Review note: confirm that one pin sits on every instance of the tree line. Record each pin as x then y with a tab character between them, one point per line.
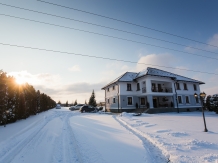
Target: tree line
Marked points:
20	101
91	102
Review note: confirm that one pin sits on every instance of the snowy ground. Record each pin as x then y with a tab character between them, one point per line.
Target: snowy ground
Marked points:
66	136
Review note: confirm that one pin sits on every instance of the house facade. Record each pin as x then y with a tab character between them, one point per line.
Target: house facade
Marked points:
153	90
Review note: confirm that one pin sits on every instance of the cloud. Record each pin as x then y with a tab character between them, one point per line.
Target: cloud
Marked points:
155	60
37	79
75	68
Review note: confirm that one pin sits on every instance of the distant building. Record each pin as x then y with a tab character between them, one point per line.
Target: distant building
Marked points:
154	90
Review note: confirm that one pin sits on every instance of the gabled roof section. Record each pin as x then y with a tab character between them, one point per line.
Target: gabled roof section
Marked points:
126	77
131	76
161	73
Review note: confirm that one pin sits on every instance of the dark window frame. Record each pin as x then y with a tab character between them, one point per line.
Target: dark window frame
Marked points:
178	86
129	102
185	86
138	86
113	87
197	100
114	100
195	87
129	87
187	100
179	99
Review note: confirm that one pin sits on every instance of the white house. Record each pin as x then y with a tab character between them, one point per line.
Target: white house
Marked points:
152	89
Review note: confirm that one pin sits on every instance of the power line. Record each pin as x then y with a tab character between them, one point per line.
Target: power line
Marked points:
93	56
119	38
126	22
62	17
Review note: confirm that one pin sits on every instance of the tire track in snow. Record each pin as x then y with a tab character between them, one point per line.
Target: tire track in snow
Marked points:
155	153
67	149
12	147
86	150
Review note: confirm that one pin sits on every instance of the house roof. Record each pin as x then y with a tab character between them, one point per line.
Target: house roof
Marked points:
161	73
126	77
131	76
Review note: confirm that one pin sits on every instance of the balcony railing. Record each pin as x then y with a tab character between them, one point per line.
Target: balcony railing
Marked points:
143	89
162	89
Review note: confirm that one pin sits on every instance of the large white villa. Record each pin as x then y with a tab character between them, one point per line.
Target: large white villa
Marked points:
153	90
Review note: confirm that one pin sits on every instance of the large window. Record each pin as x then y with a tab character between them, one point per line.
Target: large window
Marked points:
195	88
187	99
177	86
113	87
142	101
138	86
129	88
180	99
129	100
108	89
114	100
108	100
185	86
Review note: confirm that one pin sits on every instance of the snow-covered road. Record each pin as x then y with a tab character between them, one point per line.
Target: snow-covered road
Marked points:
60	135
63	136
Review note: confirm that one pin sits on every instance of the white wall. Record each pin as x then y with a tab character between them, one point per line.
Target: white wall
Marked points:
190	90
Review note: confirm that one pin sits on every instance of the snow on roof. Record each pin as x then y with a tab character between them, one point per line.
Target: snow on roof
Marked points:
157	72
127	76
130	76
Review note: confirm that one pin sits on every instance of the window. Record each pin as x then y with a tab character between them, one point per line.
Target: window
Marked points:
185	86
142	101
113	87
177	86
108	89
187	99
108	100
129	87
114	100
196	99
138	86
195	88
180	99
129	100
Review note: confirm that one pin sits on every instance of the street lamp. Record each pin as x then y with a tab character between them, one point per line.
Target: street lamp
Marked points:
202	96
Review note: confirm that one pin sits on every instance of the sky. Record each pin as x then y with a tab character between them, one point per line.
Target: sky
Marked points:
70	77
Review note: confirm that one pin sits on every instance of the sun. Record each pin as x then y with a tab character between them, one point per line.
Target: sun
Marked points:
20	80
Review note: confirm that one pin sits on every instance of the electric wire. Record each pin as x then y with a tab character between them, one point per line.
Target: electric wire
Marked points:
109	36
104	58
111	28
126	22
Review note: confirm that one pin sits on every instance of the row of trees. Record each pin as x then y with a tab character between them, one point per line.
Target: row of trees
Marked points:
20	101
91	102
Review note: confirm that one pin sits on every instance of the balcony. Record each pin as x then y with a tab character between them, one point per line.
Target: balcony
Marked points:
162	89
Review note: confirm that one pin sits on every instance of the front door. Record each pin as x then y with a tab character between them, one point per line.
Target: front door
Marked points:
155	102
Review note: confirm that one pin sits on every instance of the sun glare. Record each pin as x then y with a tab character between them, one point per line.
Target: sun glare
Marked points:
20	80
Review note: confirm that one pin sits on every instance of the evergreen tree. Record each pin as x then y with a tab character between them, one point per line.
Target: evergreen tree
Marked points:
92	100
3	97
67	104
75	103
208	103
59	102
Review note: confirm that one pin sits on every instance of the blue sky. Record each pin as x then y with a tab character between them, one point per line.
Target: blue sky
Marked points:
69	77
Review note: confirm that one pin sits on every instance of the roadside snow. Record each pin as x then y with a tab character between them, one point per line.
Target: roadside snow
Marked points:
179	136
